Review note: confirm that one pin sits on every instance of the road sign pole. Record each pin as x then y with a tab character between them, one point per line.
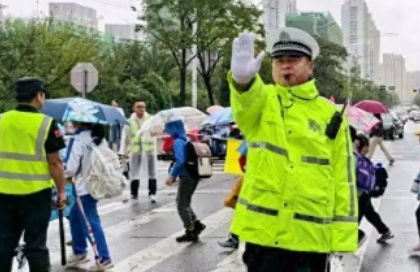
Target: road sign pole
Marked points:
84	78
85	87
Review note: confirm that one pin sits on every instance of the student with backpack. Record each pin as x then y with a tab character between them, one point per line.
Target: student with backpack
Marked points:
188	180
84	215
366	187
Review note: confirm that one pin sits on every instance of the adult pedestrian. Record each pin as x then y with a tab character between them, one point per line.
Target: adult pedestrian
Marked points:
142	152
298	203
115	129
30	163
377	139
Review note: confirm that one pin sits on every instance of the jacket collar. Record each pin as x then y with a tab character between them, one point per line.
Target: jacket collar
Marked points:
306	91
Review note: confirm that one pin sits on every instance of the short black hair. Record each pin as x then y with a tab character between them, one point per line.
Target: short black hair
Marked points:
363	141
27	88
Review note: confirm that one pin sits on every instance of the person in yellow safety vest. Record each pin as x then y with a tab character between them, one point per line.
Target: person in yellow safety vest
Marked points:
29	165
299	201
142	150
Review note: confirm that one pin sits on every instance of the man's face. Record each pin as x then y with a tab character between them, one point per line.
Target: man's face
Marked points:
139	108
114	104
292	70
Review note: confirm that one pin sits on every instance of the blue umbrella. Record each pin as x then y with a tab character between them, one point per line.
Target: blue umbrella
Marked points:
221	117
82	110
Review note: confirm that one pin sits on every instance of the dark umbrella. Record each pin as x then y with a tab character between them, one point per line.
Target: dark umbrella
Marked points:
82	110
372	106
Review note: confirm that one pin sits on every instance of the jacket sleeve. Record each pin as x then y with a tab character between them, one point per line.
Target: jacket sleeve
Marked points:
345	221
247	106
180	157
72	162
124	141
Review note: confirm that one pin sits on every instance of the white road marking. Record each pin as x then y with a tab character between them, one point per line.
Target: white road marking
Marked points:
164	249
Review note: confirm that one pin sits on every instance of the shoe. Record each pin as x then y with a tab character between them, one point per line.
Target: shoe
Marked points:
153	199
385	237
362	238
391	162
188	236
102	266
76	260
69	243
134	197
199	227
229	243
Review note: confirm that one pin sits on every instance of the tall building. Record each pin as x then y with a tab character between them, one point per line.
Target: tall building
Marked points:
74	13
412	83
121	32
361	37
317	23
274	12
393	74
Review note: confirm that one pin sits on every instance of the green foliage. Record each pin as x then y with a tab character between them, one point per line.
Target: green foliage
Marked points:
218	22
156	71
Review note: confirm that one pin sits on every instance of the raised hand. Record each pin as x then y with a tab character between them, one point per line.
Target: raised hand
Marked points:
243	64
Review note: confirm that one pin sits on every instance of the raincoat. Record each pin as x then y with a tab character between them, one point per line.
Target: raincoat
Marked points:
300	191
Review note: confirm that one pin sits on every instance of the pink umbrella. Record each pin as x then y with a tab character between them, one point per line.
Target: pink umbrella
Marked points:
372	106
360	119
213	109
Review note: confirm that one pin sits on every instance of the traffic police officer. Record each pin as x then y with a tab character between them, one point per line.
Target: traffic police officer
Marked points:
298	203
29	165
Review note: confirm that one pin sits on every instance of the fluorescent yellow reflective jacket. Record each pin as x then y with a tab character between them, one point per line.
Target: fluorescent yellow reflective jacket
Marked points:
300	192
23	161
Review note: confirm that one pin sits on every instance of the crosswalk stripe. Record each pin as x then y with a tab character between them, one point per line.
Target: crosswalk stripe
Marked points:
113	232
162	250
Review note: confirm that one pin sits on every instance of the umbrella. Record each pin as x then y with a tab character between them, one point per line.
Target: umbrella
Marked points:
213	109
82	110
221	117
372	106
191	117
360	119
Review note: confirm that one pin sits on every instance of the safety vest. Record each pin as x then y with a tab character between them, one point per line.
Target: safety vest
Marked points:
138	144
299	192
23	160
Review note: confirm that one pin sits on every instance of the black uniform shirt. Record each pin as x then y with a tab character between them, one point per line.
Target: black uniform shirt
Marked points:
55	141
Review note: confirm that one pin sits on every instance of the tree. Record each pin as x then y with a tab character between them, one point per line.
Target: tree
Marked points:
171	23
45	49
223	22
328	71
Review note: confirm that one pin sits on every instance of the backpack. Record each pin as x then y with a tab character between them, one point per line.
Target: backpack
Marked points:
365	173
381	181
199	162
105	178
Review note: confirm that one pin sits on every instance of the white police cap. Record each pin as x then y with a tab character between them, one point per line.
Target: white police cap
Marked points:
289	40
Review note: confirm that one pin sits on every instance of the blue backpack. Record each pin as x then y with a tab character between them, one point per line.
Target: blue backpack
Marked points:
365	173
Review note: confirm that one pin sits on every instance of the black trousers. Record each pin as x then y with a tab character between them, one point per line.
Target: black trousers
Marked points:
367	210
418	219
135	186
29	214
186	189
265	259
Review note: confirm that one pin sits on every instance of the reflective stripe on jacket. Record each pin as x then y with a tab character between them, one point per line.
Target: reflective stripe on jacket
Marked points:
23	160
300	192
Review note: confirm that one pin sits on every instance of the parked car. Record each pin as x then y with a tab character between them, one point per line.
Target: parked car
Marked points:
393	126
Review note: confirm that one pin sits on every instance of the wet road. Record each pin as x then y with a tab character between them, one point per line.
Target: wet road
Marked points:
397	209
141	235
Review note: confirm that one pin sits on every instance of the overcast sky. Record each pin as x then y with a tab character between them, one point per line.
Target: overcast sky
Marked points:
391	16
